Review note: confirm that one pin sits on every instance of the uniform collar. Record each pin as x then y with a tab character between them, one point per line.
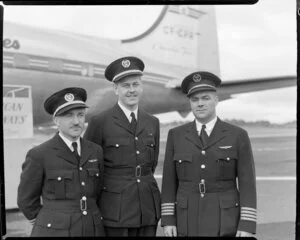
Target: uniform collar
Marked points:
69	143
209	126
128	112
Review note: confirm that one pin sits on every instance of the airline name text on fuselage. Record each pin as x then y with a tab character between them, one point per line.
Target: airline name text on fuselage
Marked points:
11	43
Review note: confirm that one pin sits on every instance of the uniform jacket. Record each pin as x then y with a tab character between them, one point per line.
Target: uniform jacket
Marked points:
130	196
199	192
53	172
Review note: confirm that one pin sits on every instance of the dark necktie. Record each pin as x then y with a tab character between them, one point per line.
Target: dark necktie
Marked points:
74	144
203	136
133	122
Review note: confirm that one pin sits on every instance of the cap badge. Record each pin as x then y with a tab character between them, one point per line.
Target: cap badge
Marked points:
197	77
126	63
69	97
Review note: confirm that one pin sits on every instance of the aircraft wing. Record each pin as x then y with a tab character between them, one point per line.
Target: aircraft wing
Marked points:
230	87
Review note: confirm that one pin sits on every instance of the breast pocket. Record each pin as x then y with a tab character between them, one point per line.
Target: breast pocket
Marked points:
183	165
150	149
115	149
93	180
58	183
226	162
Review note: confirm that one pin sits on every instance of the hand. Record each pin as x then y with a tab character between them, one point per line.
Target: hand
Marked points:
170	231
32	221
243	234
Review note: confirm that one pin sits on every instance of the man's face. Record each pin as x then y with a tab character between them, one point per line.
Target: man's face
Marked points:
129	91
203	105
71	123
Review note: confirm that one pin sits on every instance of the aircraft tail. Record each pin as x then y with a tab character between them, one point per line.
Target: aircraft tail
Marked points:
184	36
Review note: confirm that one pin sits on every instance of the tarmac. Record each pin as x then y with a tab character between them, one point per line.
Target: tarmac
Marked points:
274	151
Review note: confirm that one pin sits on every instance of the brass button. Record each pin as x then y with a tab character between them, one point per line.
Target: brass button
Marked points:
180	161
202	180
97	174
202	166
84	198
152	145
138	180
138	152
83	183
202	194
59	179
203	152
117	145
136	138
228	158
84	212
101	218
236	204
49	225
80	168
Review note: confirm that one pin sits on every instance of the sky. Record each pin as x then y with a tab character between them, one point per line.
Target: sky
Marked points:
254	41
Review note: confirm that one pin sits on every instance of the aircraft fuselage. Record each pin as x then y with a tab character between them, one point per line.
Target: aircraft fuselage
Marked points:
156	98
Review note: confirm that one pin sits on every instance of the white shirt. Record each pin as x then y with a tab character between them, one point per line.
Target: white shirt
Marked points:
128	112
209	126
69	143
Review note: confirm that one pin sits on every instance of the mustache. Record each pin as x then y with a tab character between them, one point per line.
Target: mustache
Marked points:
76	126
131	95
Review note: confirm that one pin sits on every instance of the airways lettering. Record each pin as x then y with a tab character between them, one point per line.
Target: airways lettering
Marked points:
9	43
14	119
12	107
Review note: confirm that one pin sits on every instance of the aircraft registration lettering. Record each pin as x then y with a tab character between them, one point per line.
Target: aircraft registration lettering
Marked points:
17	112
179	32
9	43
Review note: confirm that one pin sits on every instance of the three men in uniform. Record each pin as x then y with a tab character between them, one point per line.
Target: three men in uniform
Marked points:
104	183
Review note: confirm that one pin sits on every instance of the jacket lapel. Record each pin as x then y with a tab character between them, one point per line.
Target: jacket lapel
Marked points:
85	151
63	150
217	134
192	135
142	121
120	119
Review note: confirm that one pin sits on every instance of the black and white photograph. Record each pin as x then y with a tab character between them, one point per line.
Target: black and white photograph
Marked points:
150	120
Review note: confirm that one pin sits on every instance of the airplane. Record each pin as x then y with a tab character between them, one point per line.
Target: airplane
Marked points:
38	62
183	39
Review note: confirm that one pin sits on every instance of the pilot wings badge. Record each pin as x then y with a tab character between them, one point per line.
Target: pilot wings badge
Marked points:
225	147
93	160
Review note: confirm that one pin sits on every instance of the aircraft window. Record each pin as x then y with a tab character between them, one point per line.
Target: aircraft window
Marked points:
22	93
9	94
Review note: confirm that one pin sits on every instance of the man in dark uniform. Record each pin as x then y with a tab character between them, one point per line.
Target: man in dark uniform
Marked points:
61	178
130	200
208	186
